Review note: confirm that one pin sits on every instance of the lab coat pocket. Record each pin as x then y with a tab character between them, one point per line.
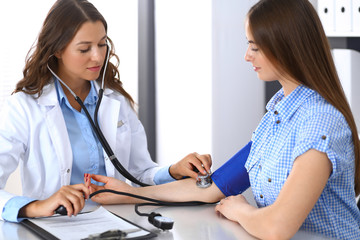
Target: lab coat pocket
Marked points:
123	140
121	126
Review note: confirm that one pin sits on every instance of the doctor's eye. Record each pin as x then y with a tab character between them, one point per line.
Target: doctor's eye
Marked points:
84	50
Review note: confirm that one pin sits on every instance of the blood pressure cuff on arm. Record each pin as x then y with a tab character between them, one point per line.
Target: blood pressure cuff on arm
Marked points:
232	177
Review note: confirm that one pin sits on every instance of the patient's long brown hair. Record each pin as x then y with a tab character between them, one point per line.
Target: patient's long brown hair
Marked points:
291	36
61	24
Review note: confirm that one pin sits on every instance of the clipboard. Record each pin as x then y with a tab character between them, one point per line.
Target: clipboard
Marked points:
46	228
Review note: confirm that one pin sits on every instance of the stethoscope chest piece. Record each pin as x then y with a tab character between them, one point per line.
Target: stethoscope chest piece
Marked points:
203	181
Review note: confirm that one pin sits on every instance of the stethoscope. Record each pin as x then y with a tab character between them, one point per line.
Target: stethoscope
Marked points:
154	218
95	125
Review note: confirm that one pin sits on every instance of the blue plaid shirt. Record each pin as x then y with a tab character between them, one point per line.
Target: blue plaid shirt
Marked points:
292	125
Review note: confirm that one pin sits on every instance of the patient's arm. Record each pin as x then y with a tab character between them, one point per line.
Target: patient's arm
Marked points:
177	191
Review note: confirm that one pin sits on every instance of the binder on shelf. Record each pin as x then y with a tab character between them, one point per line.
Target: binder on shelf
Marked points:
347	64
356	16
343	19
326	11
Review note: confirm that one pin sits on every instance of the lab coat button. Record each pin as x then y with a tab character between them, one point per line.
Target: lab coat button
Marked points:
68	170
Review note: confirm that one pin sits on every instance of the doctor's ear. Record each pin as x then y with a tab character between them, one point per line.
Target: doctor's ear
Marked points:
57	54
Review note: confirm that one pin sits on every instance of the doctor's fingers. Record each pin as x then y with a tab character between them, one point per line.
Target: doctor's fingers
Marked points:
203	162
80	189
72	198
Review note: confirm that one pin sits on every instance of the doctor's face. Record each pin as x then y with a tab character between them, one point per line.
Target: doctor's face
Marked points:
261	65
83	57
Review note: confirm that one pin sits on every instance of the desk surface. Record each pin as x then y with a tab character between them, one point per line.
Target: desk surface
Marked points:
199	222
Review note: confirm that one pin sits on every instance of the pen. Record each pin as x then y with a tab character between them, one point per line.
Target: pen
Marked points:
112	234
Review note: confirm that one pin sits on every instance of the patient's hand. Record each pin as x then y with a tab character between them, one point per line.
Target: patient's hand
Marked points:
112	184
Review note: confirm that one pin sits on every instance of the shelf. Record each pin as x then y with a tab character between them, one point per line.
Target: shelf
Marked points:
343	34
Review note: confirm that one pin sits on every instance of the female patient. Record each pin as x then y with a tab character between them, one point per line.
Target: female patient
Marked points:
303	159
44	130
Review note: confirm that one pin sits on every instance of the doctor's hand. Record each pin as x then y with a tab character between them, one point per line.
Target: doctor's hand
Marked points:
112	184
187	166
71	197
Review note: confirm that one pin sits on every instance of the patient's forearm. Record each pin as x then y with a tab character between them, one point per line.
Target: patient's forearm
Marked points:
180	191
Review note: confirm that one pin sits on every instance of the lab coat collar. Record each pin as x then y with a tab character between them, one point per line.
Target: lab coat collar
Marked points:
57	130
107	91
49	95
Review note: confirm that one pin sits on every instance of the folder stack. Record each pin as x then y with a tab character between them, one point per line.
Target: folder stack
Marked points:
356	16
340	17
326	11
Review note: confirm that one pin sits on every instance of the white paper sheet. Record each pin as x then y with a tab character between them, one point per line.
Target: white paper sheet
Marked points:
83	225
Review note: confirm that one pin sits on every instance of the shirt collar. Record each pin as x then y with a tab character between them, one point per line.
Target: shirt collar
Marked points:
89	100
285	107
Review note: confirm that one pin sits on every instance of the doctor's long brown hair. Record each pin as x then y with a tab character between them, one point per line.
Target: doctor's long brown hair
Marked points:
61	24
290	35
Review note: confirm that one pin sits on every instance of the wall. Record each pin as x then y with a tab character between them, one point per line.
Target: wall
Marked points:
237	92
209	99
183	78
238	95
204	85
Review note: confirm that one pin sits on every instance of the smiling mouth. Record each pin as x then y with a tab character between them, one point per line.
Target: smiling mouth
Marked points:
256	69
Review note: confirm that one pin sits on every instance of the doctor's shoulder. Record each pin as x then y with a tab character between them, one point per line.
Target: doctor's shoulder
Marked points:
21	105
16	111
19	100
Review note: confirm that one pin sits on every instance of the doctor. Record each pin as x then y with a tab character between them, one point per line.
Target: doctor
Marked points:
45	131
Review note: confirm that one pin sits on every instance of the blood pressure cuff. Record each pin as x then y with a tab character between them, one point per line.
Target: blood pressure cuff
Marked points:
232	177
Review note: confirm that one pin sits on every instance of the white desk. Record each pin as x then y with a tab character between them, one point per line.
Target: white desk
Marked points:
200	223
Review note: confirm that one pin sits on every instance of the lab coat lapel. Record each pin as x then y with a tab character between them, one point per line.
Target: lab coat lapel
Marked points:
57	130
108	117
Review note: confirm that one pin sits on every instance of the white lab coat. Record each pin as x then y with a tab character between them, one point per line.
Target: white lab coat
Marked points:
33	134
